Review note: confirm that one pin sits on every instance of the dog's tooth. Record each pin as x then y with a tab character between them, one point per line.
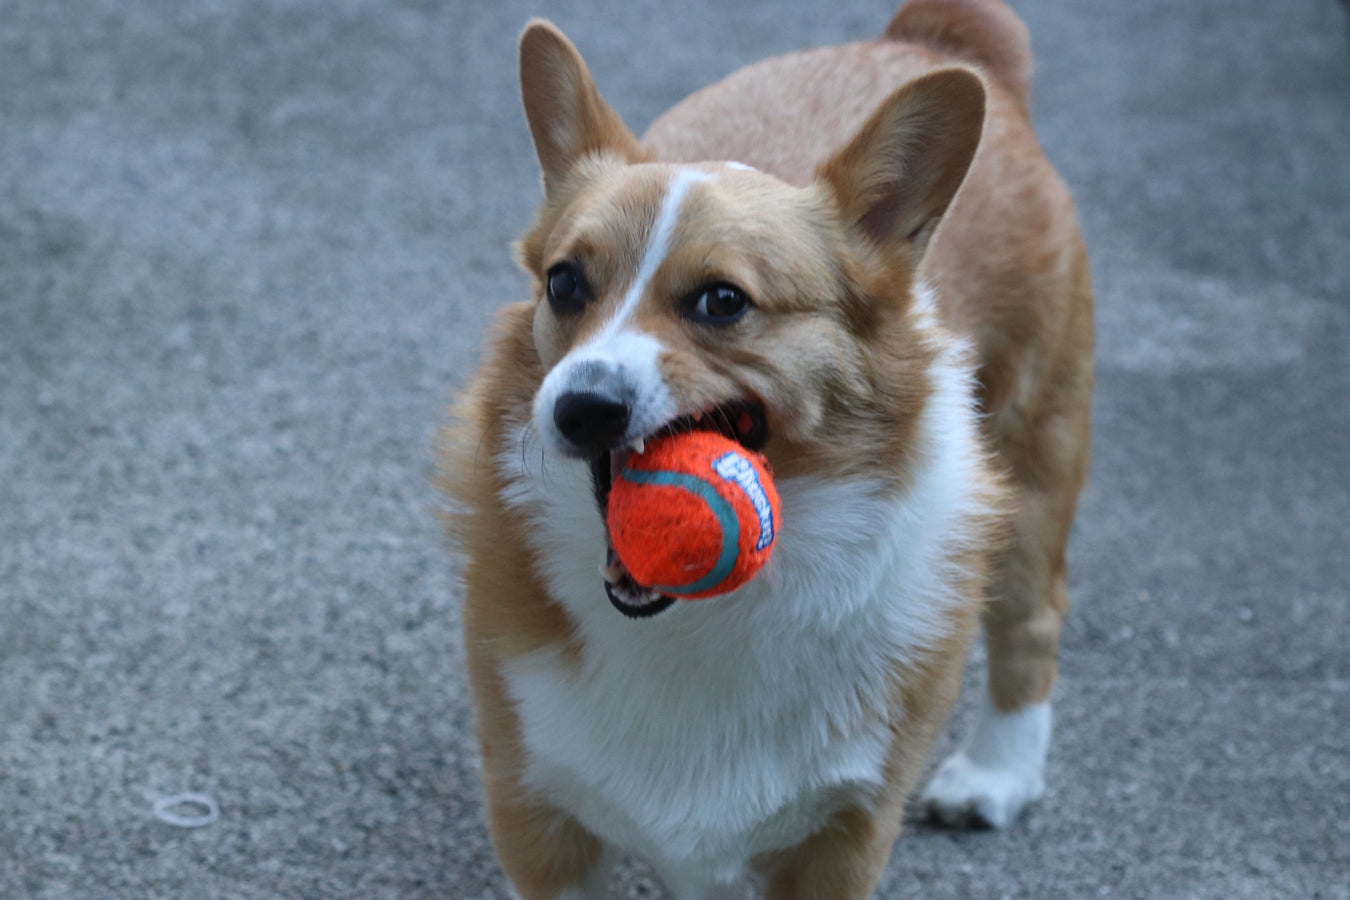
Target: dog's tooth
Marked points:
611	574
639	446
698	416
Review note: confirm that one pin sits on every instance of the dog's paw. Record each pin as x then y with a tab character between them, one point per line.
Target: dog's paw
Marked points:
964	794
1000	770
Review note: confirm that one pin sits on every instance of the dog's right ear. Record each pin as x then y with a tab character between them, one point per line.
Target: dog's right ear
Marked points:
567	116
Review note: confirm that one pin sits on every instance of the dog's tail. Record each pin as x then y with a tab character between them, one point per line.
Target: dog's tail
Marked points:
986	33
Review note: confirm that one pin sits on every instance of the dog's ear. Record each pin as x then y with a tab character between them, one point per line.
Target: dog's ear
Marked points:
896	177
567	116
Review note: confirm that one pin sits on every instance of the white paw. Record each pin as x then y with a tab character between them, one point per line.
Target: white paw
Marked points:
999	771
964	794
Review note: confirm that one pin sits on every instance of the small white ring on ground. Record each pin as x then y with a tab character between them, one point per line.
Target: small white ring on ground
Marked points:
164	807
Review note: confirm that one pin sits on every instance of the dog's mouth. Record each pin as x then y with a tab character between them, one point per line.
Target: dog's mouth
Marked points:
743	421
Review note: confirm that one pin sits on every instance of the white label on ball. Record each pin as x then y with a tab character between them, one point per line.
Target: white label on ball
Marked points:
737	469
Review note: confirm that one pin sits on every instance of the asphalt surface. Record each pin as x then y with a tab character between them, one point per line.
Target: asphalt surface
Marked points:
247	251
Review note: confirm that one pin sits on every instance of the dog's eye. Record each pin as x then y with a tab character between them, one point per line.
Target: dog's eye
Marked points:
567	289
717	304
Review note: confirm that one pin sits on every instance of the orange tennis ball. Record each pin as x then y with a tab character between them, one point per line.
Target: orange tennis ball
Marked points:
694	516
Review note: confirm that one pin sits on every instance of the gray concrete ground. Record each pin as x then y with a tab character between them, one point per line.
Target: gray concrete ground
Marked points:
246	253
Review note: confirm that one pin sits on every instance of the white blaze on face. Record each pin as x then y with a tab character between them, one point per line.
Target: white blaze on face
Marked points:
658	247
620	359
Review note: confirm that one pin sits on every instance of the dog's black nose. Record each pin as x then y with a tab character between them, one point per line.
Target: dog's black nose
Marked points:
591	420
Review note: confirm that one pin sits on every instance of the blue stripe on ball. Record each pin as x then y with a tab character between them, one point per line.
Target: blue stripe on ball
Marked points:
717	505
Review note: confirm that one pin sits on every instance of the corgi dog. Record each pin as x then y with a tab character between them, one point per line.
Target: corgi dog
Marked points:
856	261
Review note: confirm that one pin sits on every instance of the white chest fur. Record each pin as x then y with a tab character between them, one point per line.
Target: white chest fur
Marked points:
725	727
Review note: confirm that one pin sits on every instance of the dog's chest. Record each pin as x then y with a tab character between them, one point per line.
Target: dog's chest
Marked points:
727	727
699	762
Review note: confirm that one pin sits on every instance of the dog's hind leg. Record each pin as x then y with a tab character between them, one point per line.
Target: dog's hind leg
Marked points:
1000	769
1044	445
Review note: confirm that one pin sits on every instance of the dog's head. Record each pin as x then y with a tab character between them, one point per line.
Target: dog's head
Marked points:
714	295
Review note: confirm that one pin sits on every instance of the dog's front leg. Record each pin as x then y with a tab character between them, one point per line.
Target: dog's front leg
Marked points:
593	886
843	861
545	853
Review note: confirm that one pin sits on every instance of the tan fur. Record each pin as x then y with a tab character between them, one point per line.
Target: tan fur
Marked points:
846	380
988	35
1022	293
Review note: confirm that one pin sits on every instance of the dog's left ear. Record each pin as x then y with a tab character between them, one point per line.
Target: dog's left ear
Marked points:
567	116
898	174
